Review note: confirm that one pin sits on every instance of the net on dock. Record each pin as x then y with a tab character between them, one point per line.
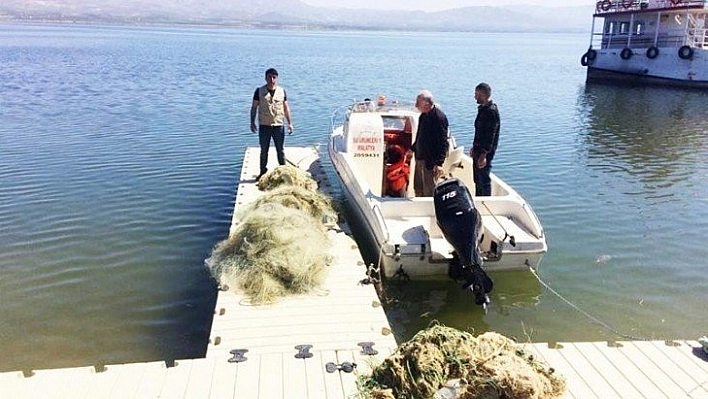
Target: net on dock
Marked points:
489	366
275	251
287	175
280	245
313	203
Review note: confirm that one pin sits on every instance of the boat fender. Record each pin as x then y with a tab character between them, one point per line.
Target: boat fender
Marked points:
606	5
685	52
627	3
588	57
652	52
626	53
676	2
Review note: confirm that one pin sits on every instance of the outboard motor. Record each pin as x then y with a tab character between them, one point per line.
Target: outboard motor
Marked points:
461	224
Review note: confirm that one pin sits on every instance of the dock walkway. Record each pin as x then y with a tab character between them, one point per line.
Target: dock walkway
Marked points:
284	350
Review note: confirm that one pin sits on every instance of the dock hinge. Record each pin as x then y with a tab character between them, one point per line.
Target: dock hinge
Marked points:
367	348
347	367
238	355
303	351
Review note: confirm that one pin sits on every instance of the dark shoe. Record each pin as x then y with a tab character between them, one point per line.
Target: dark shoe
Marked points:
261	175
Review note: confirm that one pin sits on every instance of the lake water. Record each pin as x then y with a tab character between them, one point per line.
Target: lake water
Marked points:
120	150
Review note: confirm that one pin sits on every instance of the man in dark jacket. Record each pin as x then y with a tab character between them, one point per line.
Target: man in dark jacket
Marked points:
486	137
430	146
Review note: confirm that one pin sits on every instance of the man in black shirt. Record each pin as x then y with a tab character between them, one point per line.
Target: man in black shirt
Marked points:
430	146
486	137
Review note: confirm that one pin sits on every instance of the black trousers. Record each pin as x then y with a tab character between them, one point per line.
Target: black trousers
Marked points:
265	133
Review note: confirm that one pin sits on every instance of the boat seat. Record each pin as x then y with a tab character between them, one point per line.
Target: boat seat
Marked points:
434	229
453	159
496	227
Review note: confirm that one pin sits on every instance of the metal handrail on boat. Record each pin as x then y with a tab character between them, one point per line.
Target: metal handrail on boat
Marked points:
338	116
512	239
379	215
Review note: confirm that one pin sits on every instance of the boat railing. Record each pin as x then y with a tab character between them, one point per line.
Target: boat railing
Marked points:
697	34
338	117
382	221
696	37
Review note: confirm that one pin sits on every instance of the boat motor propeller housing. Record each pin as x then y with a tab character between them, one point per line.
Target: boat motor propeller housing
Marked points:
461	224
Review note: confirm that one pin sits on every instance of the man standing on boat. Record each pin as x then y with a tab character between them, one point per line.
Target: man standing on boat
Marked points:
270	103
430	146
486	137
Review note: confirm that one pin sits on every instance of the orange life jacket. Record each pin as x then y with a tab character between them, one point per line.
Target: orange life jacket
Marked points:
397	173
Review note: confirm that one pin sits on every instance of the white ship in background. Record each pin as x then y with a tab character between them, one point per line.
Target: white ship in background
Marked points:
649	41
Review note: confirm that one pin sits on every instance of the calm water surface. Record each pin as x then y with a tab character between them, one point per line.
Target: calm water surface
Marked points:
120	150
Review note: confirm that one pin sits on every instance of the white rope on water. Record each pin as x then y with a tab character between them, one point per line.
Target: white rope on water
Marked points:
583	312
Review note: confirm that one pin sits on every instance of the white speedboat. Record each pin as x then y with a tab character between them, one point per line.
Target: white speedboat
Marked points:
365	138
649	41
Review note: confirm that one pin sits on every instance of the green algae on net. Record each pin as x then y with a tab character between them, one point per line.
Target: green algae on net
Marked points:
487	366
280	245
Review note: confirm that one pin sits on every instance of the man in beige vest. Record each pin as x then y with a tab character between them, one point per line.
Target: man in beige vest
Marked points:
270	103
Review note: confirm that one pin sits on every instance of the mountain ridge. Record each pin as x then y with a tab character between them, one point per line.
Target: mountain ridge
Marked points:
295	13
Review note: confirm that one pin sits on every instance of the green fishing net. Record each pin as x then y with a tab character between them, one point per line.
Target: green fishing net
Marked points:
313	203
488	366
286	175
275	251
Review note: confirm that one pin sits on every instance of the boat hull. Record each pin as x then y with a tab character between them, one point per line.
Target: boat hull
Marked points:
666	69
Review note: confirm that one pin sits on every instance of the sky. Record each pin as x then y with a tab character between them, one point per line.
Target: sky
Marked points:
438	5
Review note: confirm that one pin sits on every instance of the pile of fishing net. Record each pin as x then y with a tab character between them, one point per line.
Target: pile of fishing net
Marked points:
487	366
280	245
286	175
311	202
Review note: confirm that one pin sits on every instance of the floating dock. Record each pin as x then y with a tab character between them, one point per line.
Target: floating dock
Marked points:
306	346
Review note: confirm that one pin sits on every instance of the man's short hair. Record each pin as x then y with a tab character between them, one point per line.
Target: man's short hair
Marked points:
271	71
427	96
484	88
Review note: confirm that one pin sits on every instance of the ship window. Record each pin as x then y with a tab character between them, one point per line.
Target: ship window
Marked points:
610	27
624	28
638	28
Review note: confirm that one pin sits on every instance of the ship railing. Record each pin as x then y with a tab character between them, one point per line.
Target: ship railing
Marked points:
674	39
696	34
614	6
697	38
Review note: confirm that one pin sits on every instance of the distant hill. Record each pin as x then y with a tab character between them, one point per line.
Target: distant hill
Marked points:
294	13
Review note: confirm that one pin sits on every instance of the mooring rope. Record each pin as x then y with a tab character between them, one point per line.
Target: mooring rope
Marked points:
583	312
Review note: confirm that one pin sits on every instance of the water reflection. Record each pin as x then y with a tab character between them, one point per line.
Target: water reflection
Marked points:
647	133
412	306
